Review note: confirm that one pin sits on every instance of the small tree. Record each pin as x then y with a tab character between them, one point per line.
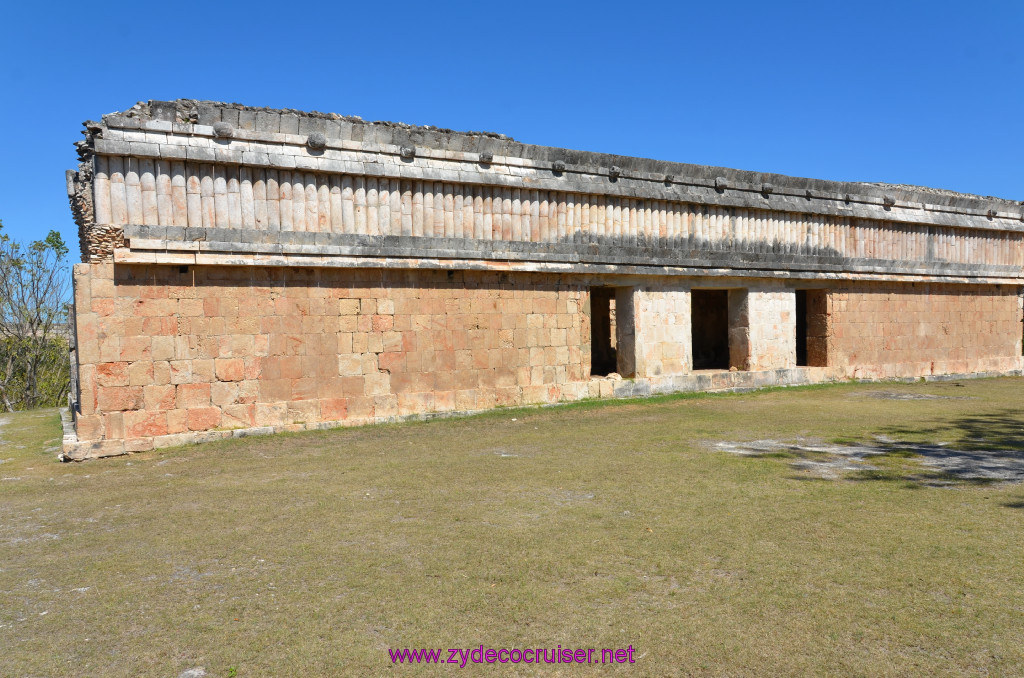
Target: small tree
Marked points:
34	361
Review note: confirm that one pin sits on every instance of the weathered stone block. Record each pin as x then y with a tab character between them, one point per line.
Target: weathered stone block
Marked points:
113	424
90	427
140	373
203	418
229	369
145	423
111	374
333	409
193	395
118	398
238	416
159	397
223	393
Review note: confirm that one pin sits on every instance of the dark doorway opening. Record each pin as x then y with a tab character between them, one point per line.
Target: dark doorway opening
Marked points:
709	318
603	353
801	328
811	328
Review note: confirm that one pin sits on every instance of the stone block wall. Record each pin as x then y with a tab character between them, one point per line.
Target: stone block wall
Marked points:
175	354
166	351
879	331
771	315
662	330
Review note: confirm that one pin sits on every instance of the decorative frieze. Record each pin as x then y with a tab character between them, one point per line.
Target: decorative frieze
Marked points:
132	191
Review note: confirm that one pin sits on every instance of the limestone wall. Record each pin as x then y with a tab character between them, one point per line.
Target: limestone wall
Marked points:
164	352
662	331
878	331
169	355
762	335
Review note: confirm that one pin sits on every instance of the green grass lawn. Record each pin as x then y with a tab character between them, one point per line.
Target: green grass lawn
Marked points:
598	525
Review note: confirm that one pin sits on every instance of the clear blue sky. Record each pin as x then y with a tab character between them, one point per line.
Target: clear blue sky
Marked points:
907	92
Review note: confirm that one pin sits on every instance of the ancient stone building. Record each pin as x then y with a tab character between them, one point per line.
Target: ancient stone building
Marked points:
251	270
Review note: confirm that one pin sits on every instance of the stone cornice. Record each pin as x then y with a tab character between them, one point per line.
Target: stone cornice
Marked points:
148	244
185	130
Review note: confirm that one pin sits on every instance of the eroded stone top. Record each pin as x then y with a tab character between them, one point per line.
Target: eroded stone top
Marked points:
187	180
487	144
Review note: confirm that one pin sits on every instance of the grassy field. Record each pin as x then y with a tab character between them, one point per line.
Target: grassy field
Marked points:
599	525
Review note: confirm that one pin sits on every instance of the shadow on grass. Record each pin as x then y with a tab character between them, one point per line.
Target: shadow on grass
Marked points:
916	478
974	450
999	431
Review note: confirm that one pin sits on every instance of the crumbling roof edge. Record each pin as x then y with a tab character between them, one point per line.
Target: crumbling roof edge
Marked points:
205	112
